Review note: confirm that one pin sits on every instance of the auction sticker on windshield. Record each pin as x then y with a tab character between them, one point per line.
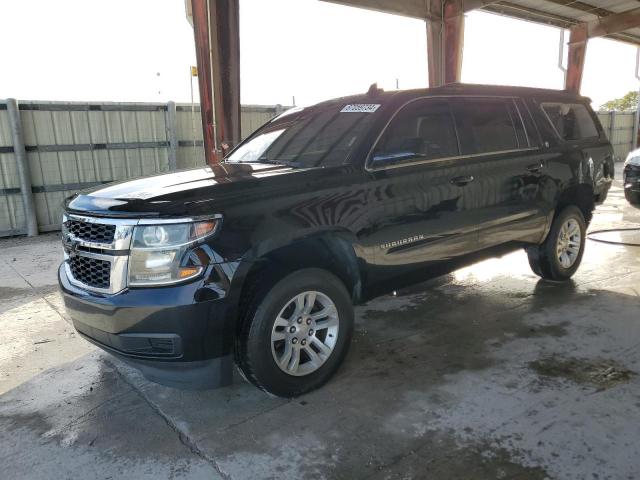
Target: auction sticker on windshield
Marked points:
361	108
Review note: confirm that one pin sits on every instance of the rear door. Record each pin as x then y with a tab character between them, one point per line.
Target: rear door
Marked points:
498	135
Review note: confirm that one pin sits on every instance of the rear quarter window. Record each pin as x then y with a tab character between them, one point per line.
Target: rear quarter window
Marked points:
571	121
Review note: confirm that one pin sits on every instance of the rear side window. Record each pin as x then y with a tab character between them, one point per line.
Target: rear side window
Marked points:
571	121
424	129
488	125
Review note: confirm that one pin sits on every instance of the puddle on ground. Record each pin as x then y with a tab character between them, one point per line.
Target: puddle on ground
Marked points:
602	374
11	292
558	330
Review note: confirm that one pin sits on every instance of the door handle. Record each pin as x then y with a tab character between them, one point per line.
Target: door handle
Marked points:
463	180
535	167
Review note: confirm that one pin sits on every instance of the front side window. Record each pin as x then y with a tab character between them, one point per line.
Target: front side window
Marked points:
571	121
488	125
422	130
311	137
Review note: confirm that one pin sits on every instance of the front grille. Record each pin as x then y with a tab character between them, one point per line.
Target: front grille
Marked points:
91	271
91	232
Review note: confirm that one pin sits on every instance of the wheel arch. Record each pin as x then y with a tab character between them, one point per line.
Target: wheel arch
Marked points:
581	196
334	251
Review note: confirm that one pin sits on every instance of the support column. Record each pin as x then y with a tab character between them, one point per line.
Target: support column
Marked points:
24	172
445	40
577	52
435	46
453	40
216	25
225	68
200	14
172	135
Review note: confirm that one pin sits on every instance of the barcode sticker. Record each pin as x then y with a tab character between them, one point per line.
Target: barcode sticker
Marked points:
361	108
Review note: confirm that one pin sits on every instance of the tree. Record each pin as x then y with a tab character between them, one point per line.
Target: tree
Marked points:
625	104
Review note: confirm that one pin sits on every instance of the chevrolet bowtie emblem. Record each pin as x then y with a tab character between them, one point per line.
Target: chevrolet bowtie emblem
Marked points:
72	248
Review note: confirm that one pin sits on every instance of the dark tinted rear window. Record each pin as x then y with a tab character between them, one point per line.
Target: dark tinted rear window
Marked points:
487	125
572	121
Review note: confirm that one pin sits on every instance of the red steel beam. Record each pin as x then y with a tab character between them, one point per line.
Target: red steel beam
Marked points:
577	53
615	23
453	13
200	14
224	21
445	40
581	33
216	27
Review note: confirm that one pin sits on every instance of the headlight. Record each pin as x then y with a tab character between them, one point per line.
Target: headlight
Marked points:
633	161
157	252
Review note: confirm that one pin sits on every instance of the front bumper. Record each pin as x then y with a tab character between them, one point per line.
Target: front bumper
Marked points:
180	336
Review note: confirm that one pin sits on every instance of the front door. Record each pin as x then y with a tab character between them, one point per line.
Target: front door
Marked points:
418	184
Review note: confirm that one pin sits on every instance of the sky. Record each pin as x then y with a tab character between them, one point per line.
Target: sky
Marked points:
141	51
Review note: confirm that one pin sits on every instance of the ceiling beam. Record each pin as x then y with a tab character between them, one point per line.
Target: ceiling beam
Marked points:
409	8
512	10
405	8
469	5
582	7
420	9
614	23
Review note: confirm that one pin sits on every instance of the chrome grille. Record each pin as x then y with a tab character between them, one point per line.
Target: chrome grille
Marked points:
91	271
91	232
96	252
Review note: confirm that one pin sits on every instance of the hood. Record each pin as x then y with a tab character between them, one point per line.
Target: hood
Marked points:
172	193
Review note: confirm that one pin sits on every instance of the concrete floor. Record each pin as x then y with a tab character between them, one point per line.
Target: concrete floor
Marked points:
486	373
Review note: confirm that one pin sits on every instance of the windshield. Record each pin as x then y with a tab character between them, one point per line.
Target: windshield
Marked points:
308	138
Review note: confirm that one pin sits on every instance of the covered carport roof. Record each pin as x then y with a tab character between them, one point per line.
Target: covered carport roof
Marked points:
558	13
217	37
568	13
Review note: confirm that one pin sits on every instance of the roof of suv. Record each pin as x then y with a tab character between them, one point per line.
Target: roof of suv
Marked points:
460	89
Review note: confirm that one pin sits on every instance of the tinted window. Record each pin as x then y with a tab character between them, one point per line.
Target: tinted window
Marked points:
424	129
571	121
530	128
487	125
310	137
516	120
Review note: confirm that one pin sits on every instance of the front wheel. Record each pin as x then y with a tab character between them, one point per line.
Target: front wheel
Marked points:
296	333
560	255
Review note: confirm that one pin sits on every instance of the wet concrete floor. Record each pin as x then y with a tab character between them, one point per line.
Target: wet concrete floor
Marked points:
486	373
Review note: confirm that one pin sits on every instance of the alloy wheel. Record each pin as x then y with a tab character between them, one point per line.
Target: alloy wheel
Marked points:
305	333
568	243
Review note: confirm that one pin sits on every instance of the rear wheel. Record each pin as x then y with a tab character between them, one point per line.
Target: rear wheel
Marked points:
560	255
296	333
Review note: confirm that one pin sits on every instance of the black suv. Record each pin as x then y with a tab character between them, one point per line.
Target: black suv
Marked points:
259	259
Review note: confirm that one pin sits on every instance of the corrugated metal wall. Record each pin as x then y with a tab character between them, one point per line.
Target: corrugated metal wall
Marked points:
619	128
71	146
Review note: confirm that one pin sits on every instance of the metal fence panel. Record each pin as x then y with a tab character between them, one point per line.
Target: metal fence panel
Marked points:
619	129
12	219
71	146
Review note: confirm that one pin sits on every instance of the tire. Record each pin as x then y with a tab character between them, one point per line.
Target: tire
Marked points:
544	259
263	341
632	197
